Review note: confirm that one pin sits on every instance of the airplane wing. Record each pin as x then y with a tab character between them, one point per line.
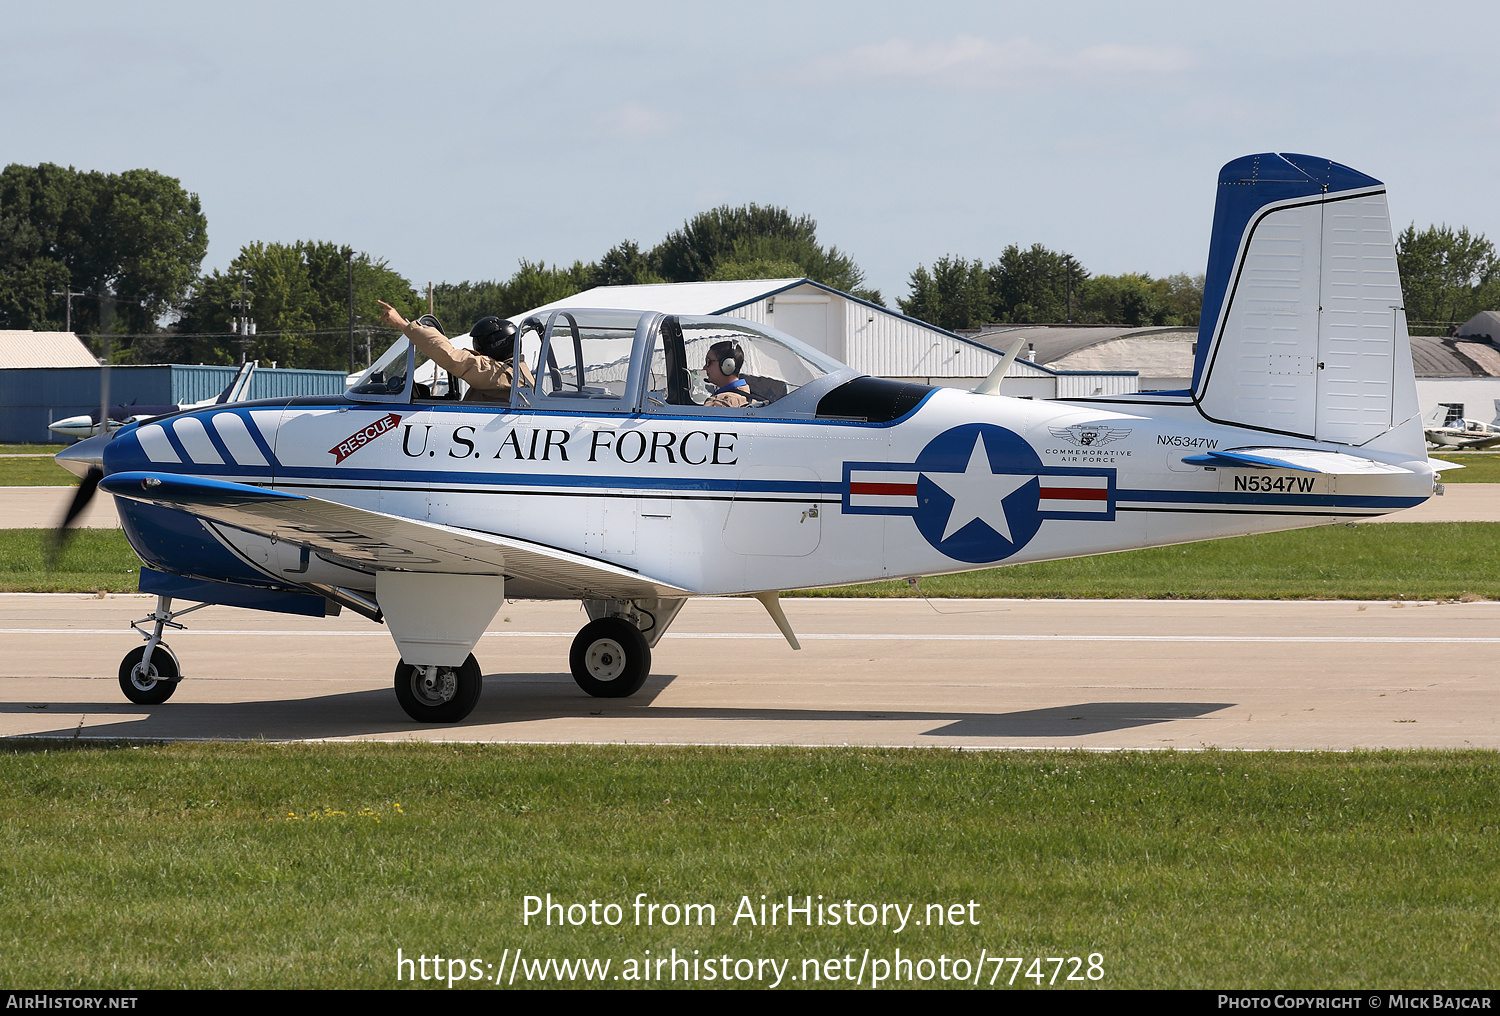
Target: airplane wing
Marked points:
377	541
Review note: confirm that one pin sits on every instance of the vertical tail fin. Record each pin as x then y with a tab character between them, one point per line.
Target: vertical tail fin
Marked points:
1303	331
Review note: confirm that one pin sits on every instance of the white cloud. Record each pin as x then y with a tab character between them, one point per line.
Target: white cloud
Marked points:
969	62
635	122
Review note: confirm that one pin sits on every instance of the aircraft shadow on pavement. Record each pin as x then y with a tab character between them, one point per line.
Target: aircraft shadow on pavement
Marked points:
523	698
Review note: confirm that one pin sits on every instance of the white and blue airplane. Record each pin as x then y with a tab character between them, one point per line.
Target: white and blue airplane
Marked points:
113	418
608	482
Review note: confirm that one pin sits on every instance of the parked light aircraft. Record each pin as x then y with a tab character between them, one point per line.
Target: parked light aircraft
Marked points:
1447	426
86	425
606	481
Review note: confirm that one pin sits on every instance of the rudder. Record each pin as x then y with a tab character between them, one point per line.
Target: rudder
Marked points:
1303	331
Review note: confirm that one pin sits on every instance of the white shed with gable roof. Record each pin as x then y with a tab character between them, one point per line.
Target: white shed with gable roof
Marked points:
868	337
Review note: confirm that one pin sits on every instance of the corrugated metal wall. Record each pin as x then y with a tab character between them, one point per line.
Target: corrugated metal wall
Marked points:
196	383
31	398
1080	386
878	342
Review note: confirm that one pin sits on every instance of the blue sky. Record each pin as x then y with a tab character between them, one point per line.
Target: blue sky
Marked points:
454	139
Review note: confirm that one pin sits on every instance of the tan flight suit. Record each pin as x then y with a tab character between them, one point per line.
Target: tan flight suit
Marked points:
737	398
489	380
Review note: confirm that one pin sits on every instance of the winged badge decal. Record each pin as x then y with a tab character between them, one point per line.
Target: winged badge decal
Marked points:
1090	435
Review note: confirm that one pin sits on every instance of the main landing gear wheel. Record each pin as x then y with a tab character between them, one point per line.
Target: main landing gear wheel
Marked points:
149	684
440	695
610	658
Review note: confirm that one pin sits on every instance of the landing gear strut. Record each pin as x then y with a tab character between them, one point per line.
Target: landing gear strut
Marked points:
149	674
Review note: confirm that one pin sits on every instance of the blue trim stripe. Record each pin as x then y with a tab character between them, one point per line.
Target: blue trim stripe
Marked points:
1209	497
177	445
187	489
214	439
532	481
256	435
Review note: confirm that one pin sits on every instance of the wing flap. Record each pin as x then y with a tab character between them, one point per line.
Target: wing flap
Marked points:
376	541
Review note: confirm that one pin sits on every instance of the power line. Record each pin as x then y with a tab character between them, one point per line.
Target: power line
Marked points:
222	335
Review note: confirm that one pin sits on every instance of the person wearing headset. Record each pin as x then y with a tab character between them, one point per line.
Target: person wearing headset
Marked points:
723	364
487	370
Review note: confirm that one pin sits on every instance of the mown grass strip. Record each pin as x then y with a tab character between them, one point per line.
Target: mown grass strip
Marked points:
1477	468
1428	561
40	471
1421	561
31	449
92	560
252	865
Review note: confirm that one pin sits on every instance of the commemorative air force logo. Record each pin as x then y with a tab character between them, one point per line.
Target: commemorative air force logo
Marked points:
1090	435
978	492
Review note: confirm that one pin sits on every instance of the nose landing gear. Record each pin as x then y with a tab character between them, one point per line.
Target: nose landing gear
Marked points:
149	683
149	674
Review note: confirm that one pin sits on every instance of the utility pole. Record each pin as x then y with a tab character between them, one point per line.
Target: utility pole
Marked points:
429	298
1068	275
69	293
349	260
244	326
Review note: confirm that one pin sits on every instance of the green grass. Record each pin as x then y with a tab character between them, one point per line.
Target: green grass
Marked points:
1427	561
1414	561
31	449
252	865
34	472
92	560
1477	468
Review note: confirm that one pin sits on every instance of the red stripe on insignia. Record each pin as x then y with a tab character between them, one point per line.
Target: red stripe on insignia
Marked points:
892	489
1076	493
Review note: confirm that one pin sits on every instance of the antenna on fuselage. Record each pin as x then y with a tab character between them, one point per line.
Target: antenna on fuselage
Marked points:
991	384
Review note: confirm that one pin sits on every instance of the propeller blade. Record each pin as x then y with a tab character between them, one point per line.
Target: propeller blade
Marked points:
87	487
84	460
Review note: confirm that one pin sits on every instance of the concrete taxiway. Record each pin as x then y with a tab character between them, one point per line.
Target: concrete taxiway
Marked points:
994	673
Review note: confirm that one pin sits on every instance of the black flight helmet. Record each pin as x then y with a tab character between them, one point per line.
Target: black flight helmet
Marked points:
494	337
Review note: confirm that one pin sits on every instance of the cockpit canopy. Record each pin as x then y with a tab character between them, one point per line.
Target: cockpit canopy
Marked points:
623	362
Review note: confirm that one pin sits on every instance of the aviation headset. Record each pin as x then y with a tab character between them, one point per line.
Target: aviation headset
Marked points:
730	356
494	337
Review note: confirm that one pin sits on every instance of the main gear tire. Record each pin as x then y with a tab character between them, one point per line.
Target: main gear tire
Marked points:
610	658
447	696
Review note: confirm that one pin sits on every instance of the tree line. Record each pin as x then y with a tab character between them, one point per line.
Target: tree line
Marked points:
1447	276
130	246
1036	285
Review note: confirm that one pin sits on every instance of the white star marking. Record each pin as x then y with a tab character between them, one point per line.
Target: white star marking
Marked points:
978	493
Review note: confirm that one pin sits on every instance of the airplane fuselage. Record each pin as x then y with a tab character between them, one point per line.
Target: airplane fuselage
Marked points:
726	503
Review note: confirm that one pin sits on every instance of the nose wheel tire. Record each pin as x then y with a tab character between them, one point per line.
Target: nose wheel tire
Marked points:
149	684
610	658
446	695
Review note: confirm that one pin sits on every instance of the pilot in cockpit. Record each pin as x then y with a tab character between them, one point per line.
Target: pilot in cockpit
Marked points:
487	370
723	364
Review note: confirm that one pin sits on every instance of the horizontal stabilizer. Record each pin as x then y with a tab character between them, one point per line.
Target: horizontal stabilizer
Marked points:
375	541
1307	460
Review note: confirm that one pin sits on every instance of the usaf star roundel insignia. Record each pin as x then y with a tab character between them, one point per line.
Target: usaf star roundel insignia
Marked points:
978	493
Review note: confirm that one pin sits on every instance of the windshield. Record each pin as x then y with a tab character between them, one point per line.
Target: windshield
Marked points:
587	354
